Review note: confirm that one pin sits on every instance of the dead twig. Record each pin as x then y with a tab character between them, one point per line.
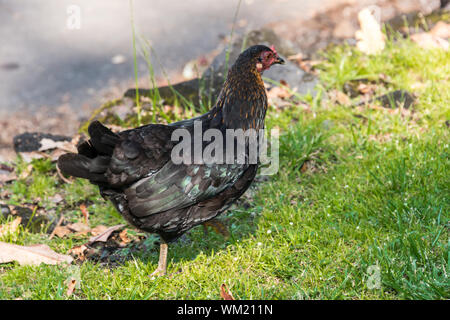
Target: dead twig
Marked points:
61	176
56	227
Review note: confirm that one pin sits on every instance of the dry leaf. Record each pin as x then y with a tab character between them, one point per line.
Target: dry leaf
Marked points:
61	231
371	39
6	173
304	167
436	38
428	41
4	167
340	97
71	287
25	173
79	227
78	251
218	226
57	198
31	255
278	92
225	293
124	236
85	213
6	176
61	176
98	230
30	156
10	227
103	237
57	225
441	30
366	88
55	154
48	144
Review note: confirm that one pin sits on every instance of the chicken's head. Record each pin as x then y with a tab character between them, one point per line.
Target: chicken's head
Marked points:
258	58
267	58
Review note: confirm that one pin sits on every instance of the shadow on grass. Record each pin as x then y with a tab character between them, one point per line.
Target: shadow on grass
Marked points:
239	222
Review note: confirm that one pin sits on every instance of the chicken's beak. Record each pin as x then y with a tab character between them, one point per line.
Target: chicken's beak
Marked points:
279	61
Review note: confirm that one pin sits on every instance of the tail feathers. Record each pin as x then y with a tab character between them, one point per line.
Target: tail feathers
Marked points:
93	156
87	149
83	167
103	140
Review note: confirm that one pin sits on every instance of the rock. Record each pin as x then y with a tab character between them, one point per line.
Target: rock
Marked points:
4	211
31	141
393	100
297	79
209	85
34	223
396	99
9	66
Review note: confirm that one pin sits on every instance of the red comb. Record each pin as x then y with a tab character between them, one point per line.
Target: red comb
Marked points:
273	49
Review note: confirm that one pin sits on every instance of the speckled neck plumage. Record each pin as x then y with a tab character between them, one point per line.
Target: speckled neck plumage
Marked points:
242	102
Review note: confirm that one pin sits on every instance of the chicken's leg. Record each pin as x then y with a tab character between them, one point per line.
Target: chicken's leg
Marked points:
162	264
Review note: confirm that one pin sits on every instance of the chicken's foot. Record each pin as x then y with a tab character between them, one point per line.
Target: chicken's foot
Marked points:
162	263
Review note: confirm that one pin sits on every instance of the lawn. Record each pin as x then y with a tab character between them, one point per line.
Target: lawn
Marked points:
359	208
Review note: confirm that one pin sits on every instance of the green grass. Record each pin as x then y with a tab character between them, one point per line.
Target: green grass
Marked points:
358	188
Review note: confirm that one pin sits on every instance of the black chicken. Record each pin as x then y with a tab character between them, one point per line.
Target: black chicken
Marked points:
135	171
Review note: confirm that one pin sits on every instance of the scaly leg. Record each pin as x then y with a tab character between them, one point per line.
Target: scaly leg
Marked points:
162	264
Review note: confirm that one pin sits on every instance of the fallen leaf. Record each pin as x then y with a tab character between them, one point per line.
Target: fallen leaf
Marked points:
31	255
7	176
48	144
85	213
25	173
429	41
98	230
78	251
71	287
366	88
304	167
10	227
57	198
79	227
56	227
103	237
61	176
225	293
218	226
30	156
4	167
340	97
278	92
55	154
441	30
124	236
370	38
61	231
